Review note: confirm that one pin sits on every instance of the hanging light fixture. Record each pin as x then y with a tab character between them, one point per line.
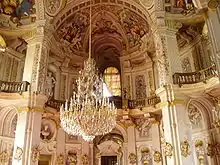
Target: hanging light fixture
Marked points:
89	113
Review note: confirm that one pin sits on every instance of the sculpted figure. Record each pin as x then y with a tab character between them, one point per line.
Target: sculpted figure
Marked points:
50	83
45	132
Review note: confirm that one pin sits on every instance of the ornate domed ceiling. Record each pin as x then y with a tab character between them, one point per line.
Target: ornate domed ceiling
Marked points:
115	28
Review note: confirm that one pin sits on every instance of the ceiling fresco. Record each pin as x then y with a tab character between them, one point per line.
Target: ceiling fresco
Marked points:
121	27
14	13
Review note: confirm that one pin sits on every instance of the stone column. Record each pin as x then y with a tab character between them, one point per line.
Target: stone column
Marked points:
213	24
175	127
131	146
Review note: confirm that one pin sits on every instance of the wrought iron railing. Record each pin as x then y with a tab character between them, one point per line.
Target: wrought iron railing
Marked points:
14	87
194	77
145	102
56	104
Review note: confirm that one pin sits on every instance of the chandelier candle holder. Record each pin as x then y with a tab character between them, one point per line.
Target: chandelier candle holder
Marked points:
88	113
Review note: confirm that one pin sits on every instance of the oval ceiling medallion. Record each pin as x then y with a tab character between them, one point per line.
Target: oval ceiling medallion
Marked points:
52	7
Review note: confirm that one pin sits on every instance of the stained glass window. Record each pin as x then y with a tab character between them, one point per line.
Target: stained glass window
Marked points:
112	80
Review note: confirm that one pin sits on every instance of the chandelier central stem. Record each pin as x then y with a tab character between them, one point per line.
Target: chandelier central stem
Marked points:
90	29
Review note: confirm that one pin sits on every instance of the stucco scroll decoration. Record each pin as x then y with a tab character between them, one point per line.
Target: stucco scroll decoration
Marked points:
157	157
52	7
185	148
35	153
18	153
143	126
132	158
4	157
194	115
168	150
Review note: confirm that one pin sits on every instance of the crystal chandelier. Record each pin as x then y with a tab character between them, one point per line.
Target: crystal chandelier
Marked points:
89	113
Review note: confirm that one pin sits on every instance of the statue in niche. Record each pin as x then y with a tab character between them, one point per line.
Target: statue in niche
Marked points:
194	115
45	132
186	65
50	85
71	159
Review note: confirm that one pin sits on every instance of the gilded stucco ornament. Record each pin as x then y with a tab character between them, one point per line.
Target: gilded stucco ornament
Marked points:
210	150
4	157
85	159
157	157
185	148
132	158
168	149
145	156
18	153
35	154
60	159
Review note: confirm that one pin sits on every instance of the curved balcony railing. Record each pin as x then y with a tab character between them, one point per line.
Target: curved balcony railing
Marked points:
145	102
56	104
14	87
194	77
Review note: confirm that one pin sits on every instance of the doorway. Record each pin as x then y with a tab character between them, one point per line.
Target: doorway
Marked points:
109	160
44	160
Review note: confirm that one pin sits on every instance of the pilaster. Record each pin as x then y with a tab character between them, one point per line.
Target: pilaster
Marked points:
27	136
131	146
213	24
156	140
176	129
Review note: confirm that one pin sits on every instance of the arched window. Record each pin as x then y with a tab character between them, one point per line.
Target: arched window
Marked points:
112	81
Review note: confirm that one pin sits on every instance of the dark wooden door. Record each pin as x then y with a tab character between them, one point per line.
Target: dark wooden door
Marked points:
109	160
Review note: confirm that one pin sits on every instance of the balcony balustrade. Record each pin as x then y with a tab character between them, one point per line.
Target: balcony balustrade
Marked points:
145	102
194	77
14	87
